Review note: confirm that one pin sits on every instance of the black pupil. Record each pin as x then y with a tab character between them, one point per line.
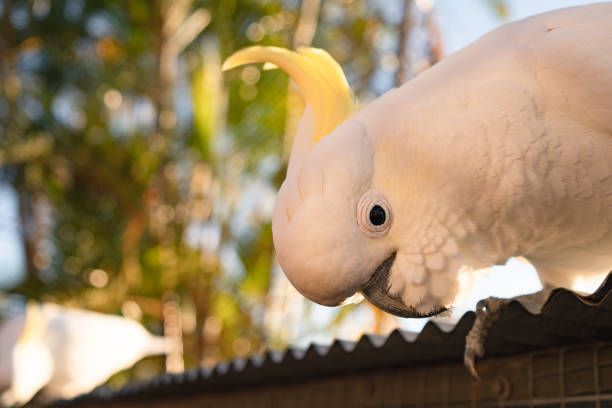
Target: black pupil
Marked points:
377	215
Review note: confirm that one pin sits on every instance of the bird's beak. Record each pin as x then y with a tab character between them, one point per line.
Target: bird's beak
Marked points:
376	291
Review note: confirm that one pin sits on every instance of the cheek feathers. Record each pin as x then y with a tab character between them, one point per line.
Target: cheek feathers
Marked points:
324	251
426	269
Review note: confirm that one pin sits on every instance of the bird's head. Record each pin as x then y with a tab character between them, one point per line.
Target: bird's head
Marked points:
344	220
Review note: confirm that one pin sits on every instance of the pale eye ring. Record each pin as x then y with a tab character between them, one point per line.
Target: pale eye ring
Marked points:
373	214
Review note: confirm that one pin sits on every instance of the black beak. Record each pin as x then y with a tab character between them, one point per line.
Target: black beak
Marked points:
377	292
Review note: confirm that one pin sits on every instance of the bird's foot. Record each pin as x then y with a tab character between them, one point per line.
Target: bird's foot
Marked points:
487	312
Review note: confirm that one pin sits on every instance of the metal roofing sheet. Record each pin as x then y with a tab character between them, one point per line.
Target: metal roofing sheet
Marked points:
566	318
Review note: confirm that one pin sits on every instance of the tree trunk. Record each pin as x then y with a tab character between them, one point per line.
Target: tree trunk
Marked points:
404	69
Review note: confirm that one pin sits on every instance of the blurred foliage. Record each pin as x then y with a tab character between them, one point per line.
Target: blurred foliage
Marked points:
143	173
500	8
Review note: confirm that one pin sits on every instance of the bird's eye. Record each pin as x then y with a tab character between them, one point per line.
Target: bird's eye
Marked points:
373	214
377	215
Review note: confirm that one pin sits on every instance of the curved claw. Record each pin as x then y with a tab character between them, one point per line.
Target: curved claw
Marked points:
486	314
474	346
469	360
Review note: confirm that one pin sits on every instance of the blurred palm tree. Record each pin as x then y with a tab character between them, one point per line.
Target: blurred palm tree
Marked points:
116	165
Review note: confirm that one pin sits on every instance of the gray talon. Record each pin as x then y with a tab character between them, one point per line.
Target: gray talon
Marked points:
469	362
487	312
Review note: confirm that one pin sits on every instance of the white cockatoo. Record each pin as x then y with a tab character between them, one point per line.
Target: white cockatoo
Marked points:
503	149
67	351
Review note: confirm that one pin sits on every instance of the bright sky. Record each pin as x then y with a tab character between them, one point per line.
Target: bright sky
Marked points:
464	21
11	251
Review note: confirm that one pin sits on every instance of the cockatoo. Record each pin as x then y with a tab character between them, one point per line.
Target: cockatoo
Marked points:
67	351
503	149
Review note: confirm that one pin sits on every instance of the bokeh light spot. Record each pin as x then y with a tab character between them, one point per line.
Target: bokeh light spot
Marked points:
250	74
212	328
241	346
255	32
112	99
247	92
98	278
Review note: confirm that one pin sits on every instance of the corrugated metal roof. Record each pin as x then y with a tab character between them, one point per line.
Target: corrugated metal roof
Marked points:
567	318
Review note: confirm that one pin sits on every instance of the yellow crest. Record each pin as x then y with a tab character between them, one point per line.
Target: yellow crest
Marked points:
319	77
